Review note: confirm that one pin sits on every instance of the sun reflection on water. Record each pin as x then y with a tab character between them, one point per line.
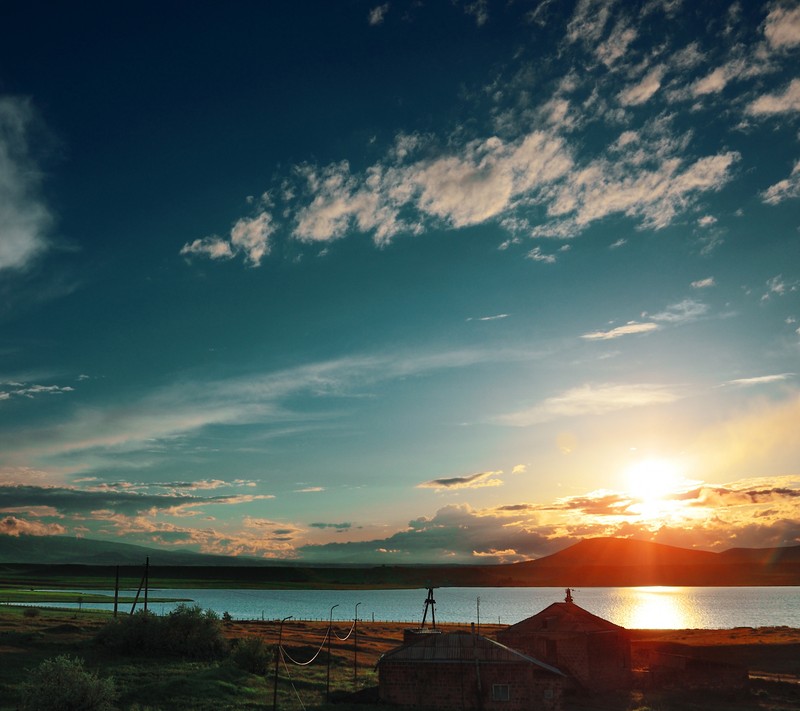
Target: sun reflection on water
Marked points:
660	608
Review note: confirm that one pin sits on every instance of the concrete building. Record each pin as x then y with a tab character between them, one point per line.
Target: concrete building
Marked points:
463	670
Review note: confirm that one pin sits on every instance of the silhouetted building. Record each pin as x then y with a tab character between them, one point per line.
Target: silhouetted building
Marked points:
463	670
593	652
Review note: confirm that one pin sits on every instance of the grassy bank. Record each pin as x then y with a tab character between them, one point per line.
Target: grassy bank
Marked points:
173	684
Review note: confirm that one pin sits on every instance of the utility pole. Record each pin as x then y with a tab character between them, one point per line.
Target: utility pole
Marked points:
330	632
355	648
278	655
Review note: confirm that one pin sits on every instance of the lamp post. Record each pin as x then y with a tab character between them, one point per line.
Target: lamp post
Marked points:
278	655
355	648
328	682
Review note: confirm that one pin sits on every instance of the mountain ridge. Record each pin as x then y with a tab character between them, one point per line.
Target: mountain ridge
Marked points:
593	562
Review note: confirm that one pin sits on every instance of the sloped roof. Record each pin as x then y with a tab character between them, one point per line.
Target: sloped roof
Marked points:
562	618
461	647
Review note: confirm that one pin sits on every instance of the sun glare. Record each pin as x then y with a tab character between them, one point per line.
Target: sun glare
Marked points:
651	480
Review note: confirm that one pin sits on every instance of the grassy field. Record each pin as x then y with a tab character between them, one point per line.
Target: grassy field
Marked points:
149	683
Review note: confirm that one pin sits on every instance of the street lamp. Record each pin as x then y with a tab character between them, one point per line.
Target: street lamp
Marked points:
328	682
355	648
278	655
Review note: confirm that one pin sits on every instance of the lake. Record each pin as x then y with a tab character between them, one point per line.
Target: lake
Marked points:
642	607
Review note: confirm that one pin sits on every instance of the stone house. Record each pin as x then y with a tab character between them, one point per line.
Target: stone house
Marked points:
593	652
463	670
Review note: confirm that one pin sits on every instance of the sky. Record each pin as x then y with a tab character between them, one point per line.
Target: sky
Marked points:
403	282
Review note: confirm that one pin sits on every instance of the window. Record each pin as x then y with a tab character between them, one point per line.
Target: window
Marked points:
501	692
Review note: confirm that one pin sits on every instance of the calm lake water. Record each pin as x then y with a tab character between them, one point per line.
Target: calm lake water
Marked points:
644	607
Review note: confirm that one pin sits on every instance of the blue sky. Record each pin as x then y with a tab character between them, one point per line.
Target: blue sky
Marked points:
403	281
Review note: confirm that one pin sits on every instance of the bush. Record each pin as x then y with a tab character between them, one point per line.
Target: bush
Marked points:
62	684
252	654
187	632
30	612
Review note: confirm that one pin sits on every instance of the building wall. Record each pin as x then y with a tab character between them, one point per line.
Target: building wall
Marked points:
451	686
598	661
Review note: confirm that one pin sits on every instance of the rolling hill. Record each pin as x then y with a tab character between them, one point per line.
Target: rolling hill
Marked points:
600	562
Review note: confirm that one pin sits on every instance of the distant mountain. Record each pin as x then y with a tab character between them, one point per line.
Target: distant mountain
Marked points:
62	550
598	562
623	561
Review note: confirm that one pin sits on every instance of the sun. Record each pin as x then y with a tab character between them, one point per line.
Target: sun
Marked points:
651	480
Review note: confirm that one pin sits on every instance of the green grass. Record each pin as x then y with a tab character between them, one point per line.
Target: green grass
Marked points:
20	595
158	683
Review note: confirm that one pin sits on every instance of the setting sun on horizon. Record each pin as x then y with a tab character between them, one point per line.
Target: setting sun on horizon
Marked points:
402	282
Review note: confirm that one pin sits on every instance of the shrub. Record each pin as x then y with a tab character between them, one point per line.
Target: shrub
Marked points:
187	632
252	654
62	684
30	612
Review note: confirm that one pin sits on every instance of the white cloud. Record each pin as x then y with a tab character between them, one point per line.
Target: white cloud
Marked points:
704	283
537	255
682	312
249	236
605	187
589	20
591	400
24	217
784	189
770	104
617	43
496	317
31	390
641	92
472	481
627	330
778	286
707	221
377	14
782	27
760	380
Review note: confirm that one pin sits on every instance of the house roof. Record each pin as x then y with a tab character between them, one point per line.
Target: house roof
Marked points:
563	618
461	647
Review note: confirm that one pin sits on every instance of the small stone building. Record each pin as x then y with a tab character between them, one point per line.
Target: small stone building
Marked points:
463	670
593	652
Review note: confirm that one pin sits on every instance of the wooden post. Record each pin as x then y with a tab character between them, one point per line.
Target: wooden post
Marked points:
355	648
330	632
278	655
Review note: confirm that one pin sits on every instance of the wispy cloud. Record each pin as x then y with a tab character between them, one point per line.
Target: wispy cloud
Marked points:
787	189
25	219
473	481
782	26
781	103
31	390
628	329
682	312
641	92
377	14
760	380
706	283
591	400
249	236
496	317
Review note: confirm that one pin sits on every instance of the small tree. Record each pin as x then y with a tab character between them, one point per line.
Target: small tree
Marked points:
252	654
62	684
